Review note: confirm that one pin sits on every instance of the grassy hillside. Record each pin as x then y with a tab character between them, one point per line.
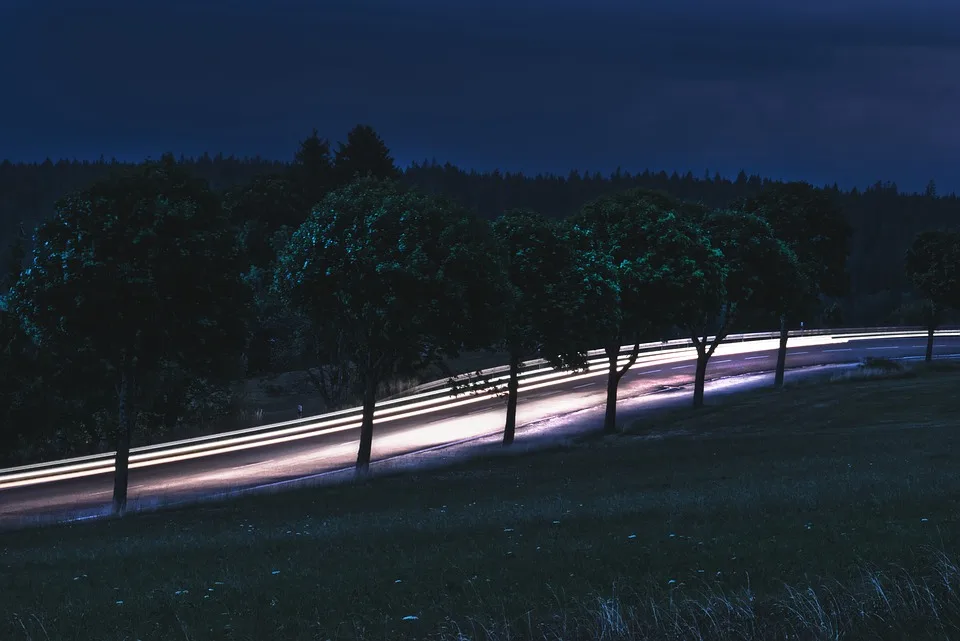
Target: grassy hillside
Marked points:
823	511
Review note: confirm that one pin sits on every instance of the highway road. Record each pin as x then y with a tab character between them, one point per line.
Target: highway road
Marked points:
328	449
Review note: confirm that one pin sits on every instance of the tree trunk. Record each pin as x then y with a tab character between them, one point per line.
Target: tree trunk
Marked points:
513	385
700	379
930	327
366	425
781	352
610	417
121	476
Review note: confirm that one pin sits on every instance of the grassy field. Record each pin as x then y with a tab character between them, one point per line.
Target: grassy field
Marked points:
823	511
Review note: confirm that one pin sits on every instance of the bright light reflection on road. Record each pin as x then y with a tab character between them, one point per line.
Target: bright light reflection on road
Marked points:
431	402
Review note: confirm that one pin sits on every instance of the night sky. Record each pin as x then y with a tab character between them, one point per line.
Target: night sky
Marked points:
851	91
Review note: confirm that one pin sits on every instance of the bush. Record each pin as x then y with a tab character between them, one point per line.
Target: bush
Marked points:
882	364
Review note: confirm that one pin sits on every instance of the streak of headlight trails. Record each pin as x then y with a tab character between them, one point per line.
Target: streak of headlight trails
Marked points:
223	444
442	393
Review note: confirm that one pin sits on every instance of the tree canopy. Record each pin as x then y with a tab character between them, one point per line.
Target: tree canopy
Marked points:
747	270
363	155
543	287
653	265
813	228
932	264
391	280
138	270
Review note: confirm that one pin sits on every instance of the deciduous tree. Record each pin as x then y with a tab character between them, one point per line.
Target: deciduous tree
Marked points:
806	219
136	271
649	262
394	280
747	269
933	266
544	288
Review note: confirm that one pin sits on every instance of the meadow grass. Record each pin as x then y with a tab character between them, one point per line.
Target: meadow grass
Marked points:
822	511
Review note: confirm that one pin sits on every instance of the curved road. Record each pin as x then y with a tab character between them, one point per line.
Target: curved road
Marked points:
335	450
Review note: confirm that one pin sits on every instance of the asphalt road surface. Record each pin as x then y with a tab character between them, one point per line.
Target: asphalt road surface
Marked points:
336	450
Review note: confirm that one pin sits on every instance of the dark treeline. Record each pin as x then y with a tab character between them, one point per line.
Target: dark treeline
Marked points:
883	218
134	297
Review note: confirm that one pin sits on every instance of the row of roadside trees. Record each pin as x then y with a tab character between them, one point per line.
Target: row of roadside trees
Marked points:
149	270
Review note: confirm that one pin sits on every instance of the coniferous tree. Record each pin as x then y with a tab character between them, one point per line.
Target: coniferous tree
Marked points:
312	169
363	155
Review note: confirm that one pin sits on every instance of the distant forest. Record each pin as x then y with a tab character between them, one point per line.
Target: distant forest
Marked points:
883	219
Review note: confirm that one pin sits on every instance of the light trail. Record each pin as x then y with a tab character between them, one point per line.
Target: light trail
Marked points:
422	404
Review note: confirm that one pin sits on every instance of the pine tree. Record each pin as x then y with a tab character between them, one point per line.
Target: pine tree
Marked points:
312	170
363	155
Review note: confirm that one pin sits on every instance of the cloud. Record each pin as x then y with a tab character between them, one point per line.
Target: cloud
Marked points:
526	83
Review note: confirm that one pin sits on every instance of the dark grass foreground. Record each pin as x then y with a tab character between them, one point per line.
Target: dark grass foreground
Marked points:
821	512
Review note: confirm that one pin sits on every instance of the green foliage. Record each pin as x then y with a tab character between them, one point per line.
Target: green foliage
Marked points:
661	265
392	279
135	273
544	291
761	272
543	285
807	220
260	210
932	265
15	256
657	268
139	266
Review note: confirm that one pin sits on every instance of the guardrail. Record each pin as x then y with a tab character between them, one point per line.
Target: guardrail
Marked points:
419	401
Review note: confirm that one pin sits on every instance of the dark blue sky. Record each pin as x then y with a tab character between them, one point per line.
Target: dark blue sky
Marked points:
822	90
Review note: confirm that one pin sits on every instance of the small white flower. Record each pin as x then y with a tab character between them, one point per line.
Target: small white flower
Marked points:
923	520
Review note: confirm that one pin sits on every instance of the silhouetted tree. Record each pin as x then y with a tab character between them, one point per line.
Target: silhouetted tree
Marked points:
134	272
544	287
650	264
813	228
933	266
393	280
754	269
363	155
312	171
